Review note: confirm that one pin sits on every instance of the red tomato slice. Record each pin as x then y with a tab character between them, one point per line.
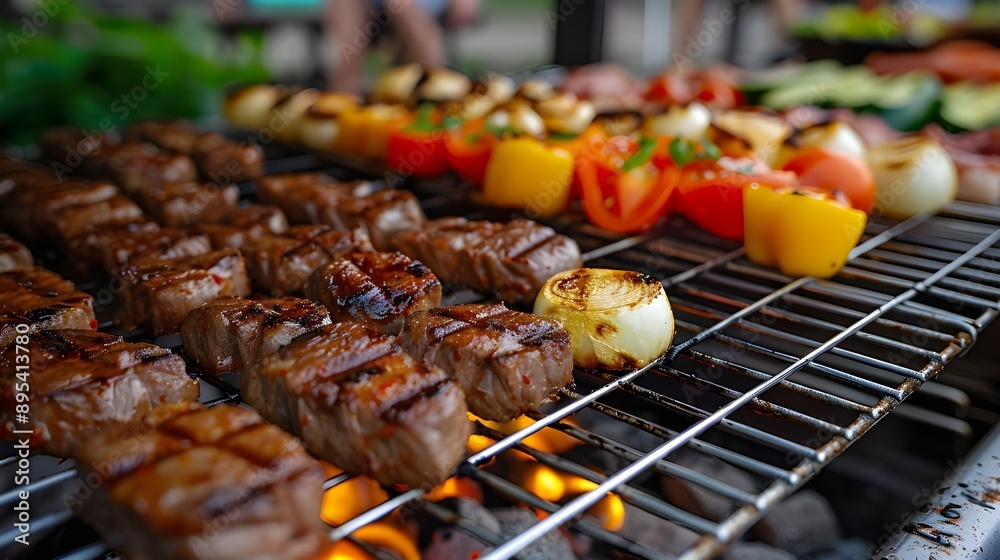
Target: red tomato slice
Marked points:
835	171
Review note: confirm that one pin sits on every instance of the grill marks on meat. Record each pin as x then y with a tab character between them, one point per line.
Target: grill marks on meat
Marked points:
232	334
213	484
188	204
375	289
281	265
252	222
137	168
140	248
30	207
159	296
512	259
82	381
13	255
316	198
358	401
221	161
506	362
43	300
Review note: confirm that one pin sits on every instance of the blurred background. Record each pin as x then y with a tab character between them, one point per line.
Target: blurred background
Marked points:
68	61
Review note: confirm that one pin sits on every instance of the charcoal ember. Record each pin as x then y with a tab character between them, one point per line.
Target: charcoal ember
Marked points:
514	521
699	500
656	533
755	551
801	522
448	542
620	432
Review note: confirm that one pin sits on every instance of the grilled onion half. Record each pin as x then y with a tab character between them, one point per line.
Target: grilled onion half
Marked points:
618	319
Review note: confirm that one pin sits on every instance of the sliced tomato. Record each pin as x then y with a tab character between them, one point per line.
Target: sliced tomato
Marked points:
832	171
639	200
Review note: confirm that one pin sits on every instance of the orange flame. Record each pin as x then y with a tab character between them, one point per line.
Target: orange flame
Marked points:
549	440
455	487
553	486
347	500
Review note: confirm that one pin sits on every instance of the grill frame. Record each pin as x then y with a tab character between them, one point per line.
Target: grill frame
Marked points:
889	258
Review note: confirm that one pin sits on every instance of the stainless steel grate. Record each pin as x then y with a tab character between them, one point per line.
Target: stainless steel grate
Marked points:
771	375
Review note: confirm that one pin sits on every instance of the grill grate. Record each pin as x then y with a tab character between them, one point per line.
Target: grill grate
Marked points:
771	375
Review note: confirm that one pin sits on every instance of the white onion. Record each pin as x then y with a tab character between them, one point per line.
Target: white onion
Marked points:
835	136
444	85
912	175
288	113
575	121
618	319
525	120
396	85
318	127
689	123
765	133
250	107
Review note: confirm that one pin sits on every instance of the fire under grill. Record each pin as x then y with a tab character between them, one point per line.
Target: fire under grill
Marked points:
773	377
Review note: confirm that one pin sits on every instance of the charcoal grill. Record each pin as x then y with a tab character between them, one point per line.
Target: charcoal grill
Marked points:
773	375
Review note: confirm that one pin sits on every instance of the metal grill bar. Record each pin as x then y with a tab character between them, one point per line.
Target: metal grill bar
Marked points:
581	503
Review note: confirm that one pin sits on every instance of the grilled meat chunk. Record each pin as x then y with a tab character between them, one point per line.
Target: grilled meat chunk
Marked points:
232	334
512	259
76	220
30	209
223	161
88	248
188	204
281	265
70	149
212	484
138	168
308	198
174	136
158	296
356	399
375	289
252	222
319	199
145	247
382	215
43	300
507	362
82	381
13	255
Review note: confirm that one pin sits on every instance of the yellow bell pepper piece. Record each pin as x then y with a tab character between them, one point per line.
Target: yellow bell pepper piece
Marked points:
525	173
802	232
365	131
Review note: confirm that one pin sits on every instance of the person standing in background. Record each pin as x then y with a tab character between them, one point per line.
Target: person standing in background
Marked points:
351	26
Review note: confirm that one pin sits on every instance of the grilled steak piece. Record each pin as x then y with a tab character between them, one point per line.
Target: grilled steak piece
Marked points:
356	399
174	136
30	208
223	161
252	222
72	221
507	362
513	259
158	296
309	198
212	484
315	198
13	255
234	333
146	247
382	215
188	204
88	248
82	381
137	168
281	265
43	300
70	150
375	289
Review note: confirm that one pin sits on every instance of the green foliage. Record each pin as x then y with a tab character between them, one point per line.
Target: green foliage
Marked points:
94	70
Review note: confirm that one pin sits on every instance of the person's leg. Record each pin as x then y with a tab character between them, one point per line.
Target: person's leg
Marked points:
344	26
418	31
